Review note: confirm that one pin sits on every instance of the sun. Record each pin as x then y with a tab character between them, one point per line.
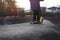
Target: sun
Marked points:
23	4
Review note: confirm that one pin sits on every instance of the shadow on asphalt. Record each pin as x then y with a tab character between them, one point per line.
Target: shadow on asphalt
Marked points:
47	36
51	36
56	22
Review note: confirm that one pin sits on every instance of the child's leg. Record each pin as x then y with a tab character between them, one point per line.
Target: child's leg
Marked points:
38	16
34	15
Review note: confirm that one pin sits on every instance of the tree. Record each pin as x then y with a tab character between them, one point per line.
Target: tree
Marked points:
2	9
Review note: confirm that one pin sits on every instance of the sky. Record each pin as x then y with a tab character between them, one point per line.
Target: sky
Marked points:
46	3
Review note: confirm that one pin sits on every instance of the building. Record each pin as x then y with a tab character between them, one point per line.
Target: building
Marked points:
53	10
58	9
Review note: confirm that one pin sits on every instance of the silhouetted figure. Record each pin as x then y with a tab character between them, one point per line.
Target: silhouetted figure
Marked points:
35	7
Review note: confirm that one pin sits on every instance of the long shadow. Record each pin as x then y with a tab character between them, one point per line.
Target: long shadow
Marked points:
48	36
53	35
56	22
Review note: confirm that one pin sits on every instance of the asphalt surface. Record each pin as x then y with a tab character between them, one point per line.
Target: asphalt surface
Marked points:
48	30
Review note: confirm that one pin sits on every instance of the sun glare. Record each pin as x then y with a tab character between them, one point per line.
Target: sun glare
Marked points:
50	3
46	3
23	4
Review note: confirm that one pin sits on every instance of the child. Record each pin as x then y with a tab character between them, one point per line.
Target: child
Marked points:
35	7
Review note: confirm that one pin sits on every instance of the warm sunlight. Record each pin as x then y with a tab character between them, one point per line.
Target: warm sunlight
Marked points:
47	3
23	4
50	3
